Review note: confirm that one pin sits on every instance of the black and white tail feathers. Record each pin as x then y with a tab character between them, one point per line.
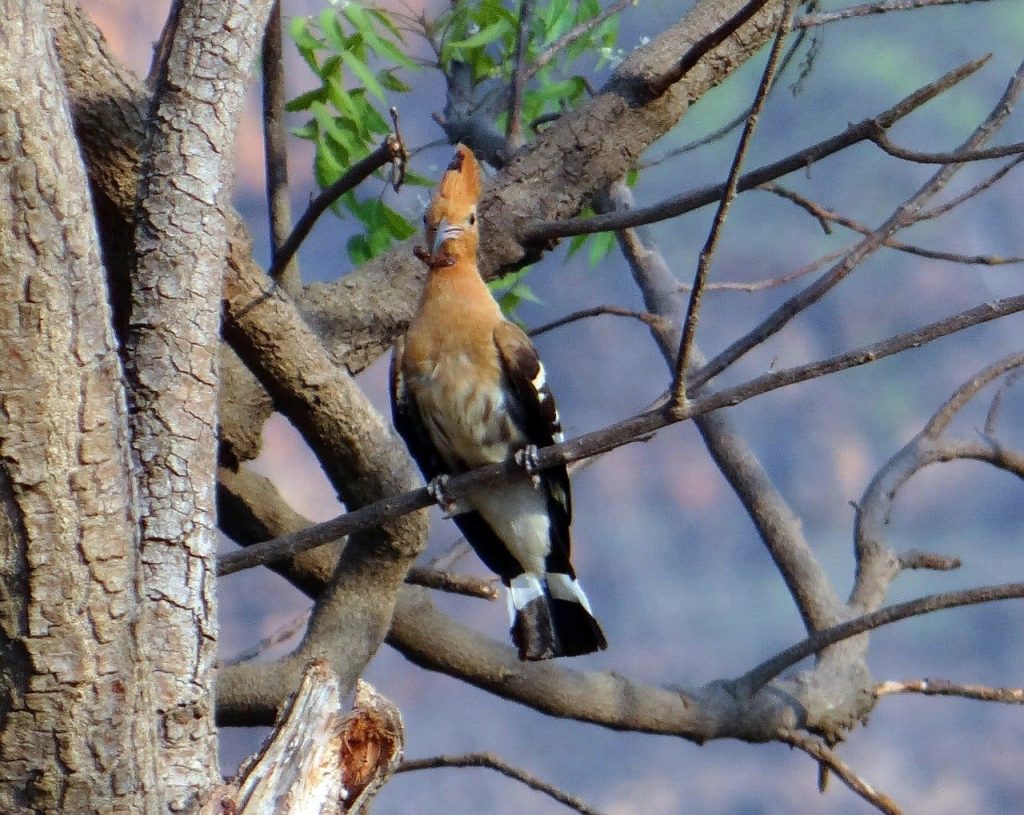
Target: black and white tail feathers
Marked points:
551	617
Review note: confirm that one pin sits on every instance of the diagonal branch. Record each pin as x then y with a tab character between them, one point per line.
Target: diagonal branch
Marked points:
760	675
943	687
390	151
609	438
865	9
682	365
541	231
827	758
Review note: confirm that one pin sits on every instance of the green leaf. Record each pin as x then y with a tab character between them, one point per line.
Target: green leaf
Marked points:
304	100
305	42
330	25
483	37
364	25
363	73
387	22
358	250
391	82
602	244
398	226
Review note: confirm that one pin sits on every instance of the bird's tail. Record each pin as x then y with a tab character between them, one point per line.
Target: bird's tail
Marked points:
552	617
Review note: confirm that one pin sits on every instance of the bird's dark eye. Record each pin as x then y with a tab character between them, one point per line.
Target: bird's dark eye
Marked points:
472	218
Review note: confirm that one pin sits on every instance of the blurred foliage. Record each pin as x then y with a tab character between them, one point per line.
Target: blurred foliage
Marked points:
357	52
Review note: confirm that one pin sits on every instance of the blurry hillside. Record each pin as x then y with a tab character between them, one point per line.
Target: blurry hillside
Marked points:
671	562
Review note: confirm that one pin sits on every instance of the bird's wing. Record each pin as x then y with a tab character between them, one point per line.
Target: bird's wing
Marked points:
409	422
534	411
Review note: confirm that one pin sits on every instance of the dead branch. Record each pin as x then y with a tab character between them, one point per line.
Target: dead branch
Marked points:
514	127
827	217
319	760
645	317
954	157
827	758
865	9
493	762
943	687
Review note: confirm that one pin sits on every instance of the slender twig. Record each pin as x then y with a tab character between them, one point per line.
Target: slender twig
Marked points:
764	673
643	316
827	758
943	687
514	126
730	126
573	34
993	409
965	393
541	231
707	253
282	634
903	216
609	438
811	20
977	189
275	150
493	762
827	217
389	151
452	583
772	282
953	157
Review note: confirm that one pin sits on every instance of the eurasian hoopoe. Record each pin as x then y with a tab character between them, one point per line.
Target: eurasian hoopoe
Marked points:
468	389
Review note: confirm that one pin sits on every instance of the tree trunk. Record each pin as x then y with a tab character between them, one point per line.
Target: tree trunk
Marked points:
74	697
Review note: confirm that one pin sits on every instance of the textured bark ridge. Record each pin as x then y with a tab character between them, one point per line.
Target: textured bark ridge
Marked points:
72	678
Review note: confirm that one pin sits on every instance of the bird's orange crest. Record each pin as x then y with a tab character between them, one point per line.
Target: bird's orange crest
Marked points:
450	220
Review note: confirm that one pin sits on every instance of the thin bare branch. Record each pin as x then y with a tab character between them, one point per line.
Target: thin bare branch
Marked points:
493	762
760	675
827	758
943	687
609	438
953	157
275	149
965	393
826	217
993	409
390	151
977	189
282	634
773	282
865	9
541	231
903	216
685	352
643	316
514	126
453	583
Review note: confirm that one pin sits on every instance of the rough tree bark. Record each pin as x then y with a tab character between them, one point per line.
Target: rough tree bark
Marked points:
73	672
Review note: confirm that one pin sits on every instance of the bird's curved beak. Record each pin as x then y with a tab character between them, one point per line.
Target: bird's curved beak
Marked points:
445	231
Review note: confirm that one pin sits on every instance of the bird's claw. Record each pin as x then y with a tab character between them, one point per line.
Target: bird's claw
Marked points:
527	459
438	489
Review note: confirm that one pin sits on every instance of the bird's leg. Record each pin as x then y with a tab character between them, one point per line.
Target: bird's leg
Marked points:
438	489
527	459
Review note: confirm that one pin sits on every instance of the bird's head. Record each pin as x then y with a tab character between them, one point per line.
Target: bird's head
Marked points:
450	220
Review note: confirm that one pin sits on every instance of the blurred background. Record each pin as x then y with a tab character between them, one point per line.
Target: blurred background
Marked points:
673	567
